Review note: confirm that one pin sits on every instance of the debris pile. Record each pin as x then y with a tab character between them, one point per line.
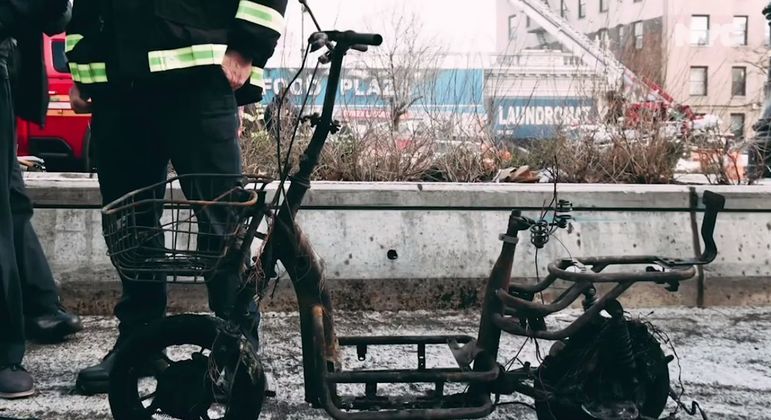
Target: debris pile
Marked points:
521	175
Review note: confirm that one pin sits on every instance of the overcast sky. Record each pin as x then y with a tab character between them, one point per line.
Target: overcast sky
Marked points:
462	26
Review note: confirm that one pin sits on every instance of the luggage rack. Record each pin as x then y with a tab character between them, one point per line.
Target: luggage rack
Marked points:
434	405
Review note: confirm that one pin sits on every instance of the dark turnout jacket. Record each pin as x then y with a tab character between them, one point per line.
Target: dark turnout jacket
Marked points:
129	41
26	21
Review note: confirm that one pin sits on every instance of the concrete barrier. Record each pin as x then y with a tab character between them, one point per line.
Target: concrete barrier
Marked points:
445	239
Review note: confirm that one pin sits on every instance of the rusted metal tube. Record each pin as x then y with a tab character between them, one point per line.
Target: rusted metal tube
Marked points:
403	340
512	326
536	288
297	255
489	336
617	260
619	277
413	376
536	309
482	410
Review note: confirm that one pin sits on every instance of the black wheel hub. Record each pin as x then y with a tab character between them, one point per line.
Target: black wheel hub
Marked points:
184	389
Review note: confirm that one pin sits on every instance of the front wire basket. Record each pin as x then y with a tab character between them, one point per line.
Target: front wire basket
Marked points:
160	233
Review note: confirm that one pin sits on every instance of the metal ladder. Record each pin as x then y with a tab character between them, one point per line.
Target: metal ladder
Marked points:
619	76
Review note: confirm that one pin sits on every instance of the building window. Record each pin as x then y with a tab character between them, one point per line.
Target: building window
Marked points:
739	81
737	125
639	34
699	30
512	27
698	81
768	34
621	35
602	36
603	6
581	9
739	34
527	21
563	8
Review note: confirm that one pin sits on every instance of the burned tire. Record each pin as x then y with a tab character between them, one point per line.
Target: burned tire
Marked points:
579	374
183	385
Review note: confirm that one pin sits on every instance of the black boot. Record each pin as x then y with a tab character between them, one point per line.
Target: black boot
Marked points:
96	379
15	382
52	327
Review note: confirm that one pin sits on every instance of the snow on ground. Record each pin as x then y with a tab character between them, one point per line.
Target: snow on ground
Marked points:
725	355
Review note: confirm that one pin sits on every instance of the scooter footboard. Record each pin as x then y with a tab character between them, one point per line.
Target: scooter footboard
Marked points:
434	404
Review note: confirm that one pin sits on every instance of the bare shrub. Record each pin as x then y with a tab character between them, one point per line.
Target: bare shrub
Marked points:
760	161
718	157
464	161
376	155
647	157
258	147
380	155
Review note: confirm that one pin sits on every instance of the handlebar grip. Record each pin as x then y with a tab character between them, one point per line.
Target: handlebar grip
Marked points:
713	203
355	38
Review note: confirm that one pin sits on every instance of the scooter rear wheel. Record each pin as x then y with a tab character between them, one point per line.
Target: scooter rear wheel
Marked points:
580	375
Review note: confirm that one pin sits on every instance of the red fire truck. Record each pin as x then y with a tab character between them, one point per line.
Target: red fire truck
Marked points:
64	140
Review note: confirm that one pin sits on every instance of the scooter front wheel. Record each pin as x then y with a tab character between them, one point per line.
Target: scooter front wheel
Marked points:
191	386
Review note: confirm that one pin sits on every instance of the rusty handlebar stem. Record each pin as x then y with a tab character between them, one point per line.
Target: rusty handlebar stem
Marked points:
678	274
584	280
536	309
512	325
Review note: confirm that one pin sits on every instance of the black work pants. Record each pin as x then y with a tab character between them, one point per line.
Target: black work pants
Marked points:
26	283
138	129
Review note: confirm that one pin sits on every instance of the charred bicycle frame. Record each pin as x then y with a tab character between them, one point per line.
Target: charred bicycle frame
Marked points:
506	307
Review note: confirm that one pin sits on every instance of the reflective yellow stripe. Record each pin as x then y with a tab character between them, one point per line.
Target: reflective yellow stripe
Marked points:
196	55
74	72
260	15
71	41
257	78
89	73
84	70
99	72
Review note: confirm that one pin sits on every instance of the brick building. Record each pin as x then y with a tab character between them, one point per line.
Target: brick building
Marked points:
710	55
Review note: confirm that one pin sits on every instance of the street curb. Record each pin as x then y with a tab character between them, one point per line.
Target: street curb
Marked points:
99	298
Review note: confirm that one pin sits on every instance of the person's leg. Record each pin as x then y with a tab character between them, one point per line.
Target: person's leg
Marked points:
202	138
130	158
14	381
38	287
45	319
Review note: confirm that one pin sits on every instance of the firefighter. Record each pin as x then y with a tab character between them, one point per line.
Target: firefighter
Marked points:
28	296
163	80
